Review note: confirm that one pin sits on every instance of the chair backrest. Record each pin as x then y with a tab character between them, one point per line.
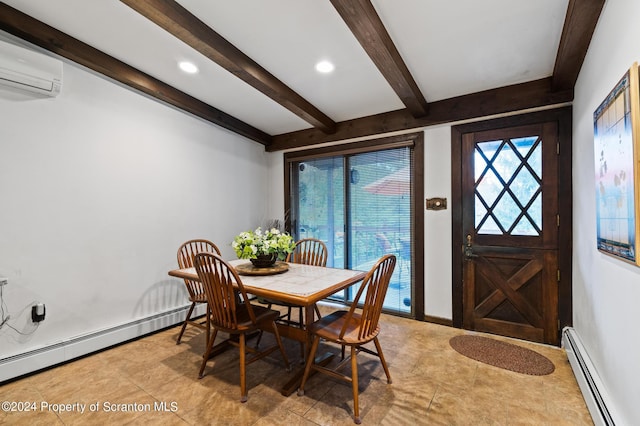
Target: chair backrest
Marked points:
221	282
186	254
375	283
309	251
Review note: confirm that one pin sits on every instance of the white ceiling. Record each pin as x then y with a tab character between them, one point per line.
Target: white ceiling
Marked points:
451	48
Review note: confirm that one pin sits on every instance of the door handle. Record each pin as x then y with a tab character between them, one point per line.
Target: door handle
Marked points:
468	249
468	252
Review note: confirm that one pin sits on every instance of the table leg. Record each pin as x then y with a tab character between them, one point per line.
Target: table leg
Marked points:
309	317
292	385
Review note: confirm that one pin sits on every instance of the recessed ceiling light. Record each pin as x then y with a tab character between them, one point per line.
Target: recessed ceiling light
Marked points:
188	67
324	67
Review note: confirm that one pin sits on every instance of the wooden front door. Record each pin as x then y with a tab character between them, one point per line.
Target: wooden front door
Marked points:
509	223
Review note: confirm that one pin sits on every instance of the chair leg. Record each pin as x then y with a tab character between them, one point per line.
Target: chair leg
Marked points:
243	372
184	324
317	311
354	385
284	355
382	360
208	320
307	368
207	353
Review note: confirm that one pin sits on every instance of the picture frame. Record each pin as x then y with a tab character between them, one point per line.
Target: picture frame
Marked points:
616	124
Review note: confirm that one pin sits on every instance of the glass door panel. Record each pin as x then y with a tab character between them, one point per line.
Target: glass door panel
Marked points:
360	206
508	186
319	212
379	206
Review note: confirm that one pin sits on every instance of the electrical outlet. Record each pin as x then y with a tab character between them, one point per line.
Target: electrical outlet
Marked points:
38	312
4	281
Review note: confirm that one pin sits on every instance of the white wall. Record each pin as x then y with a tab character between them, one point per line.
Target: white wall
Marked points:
437	224
606	291
98	188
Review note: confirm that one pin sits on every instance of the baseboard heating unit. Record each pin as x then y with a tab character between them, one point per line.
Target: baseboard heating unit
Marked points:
587	378
58	353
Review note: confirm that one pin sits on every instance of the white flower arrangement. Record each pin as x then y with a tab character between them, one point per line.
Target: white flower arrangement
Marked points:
251	244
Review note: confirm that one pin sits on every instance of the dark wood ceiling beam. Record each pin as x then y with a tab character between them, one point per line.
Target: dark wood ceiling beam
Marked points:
364	22
517	97
579	25
30	29
178	21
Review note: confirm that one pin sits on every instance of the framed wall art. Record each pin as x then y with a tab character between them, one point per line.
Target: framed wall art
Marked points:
616	148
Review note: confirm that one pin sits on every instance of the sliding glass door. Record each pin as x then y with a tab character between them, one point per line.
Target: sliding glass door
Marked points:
361	205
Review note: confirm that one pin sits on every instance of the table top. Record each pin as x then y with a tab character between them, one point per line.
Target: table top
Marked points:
302	285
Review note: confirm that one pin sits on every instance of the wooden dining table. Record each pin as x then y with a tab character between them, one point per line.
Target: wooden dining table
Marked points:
297	284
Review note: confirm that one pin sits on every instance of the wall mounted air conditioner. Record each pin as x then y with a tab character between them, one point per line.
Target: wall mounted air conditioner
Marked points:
29	70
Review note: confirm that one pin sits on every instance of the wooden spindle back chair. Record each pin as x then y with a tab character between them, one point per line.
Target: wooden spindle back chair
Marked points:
186	254
223	288
349	328
309	251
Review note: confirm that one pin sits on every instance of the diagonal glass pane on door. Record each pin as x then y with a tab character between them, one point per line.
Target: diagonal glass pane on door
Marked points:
535	161
480	211
524	227
523	145
524	186
535	211
506	163
480	165
487	150
489	187
490	227
506	211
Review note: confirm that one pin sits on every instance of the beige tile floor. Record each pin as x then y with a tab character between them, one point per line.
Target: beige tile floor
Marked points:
432	385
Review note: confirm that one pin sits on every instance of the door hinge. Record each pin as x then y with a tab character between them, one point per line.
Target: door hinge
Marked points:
558	220
558	275
558	325
558	148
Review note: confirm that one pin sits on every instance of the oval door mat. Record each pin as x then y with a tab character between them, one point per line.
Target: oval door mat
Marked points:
502	354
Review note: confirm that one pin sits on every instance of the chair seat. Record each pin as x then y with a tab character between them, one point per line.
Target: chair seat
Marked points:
261	313
330	326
